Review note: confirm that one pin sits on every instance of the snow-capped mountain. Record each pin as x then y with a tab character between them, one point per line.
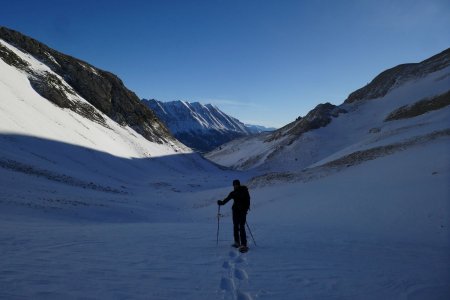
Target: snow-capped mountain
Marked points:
255	129
199	126
401	105
70	83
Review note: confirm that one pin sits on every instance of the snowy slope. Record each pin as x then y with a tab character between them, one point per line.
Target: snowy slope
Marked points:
199	126
64	79
363	126
26	112
44	145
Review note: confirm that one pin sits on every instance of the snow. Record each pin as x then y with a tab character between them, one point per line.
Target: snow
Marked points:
94	212
313	242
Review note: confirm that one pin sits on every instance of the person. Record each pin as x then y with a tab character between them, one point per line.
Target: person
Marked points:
240	207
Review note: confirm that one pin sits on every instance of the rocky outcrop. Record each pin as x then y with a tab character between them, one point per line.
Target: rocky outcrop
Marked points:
319	117
393	77
420	107
104	90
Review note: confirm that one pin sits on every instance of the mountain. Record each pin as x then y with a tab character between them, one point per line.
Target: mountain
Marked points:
399	108
350	203
199	126
72	134
399	75
64	80
255	129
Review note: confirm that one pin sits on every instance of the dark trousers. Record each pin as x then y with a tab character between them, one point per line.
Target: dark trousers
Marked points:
239	220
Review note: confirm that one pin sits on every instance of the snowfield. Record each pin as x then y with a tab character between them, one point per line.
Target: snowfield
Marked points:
324	239
89	211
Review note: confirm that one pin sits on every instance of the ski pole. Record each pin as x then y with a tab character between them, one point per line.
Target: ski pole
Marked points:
251	233
218	221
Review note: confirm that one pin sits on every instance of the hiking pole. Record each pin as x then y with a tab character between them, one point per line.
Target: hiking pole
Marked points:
250	233
218	219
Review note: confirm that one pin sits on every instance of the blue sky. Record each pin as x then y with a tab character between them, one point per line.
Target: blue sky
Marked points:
264	62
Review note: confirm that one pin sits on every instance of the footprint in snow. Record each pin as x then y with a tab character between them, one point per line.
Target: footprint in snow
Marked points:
235	273
243	296
239	259
240	274
227	284
226	265
232	254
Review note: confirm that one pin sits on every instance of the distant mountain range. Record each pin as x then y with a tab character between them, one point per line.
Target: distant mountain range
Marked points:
202	127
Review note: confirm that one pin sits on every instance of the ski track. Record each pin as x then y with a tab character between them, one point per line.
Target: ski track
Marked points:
235	280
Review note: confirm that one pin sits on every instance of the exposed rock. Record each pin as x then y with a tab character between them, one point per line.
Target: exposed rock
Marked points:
374	130
358	157
419	108
319	117
393	77
12	59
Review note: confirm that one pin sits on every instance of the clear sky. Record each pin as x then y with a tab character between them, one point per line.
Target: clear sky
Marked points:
264	62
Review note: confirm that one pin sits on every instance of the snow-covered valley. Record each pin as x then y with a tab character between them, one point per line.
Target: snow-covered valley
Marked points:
324	239
93	210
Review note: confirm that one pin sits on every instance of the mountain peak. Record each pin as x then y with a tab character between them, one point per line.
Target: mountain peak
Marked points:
199	126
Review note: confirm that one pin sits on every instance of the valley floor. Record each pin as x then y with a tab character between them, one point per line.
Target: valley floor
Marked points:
181	261
377	230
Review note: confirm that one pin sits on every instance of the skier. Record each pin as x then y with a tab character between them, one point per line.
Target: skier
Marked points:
240	208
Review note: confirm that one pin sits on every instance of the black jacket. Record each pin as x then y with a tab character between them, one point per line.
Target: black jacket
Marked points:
241	199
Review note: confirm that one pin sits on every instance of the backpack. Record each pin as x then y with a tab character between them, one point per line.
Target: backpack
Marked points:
246	198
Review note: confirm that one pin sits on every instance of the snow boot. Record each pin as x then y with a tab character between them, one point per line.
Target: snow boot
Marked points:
243	249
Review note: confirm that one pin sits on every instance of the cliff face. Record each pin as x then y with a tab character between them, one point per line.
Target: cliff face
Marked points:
104	90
